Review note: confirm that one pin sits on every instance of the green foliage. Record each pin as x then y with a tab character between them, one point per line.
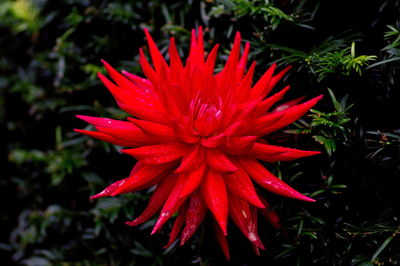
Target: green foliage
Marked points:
392	50
271	14
329	58
50	55
22	15
331	127
328	128
384	146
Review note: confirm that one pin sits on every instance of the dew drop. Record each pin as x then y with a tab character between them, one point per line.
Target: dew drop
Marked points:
252	237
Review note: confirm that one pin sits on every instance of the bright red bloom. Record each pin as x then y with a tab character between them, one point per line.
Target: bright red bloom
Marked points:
197	137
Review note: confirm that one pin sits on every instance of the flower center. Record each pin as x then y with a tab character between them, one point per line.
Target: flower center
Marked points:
207	119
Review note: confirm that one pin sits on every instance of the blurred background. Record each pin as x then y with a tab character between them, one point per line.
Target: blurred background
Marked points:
50	54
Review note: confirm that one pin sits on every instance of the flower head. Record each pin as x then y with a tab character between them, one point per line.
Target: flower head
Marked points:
198	138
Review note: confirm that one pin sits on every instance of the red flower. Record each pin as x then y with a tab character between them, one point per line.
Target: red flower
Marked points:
197	137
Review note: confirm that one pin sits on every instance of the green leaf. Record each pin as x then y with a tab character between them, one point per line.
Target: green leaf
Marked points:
381	248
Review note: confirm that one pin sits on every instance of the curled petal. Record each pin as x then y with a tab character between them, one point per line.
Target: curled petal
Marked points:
270	215
264	122
142	83
161	132
245	83
173	203
241	214
223	243
284	106
144	112
109	190
194	216
158	198
193	180
127	88
275	79
266	104
192	160
220	162
174	58
214	141
155	54
214	194
107	122
196	53
270	182
182	131
176	228
247	109
118	129
210	62
148	71
239	184
127	91
156	154
243	61
107	138
146	176
261	88
290	115
239	145
254	215
272	153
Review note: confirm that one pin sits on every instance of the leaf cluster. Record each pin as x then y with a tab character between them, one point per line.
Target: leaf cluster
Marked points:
50	55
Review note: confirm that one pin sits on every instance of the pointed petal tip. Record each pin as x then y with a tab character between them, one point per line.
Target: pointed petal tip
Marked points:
222	226
179	170
104	62
302	197
312	153
168	245
100	75
224	229
159	223
79	130
238	35
258	204
131	223
98	195
85	118
308	199
154	231
115	193
124	151
319	97
147	34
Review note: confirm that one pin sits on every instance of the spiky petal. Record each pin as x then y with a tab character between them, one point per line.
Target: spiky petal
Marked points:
198	138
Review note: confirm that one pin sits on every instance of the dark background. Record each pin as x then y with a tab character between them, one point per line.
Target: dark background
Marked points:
50	53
